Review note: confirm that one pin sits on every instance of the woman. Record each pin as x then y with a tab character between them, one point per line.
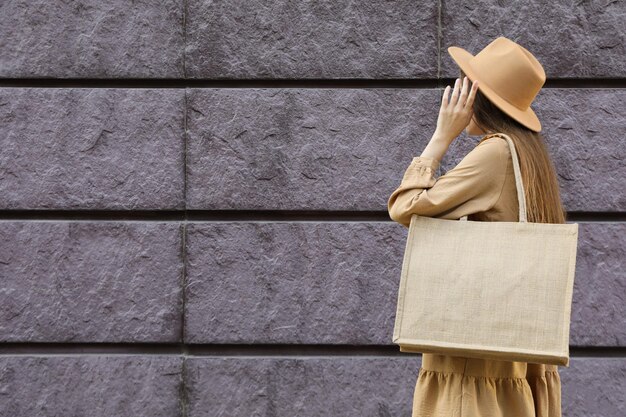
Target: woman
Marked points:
505	79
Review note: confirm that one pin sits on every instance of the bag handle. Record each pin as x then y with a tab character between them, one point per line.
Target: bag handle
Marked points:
518	179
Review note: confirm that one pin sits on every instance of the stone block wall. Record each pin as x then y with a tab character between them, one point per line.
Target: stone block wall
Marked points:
193	198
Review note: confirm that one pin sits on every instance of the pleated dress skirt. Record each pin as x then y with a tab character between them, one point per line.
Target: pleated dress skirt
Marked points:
452	386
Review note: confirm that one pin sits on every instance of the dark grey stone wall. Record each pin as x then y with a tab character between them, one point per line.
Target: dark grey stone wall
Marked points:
193	198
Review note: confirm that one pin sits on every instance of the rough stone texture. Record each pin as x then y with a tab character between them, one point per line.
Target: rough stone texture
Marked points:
73	148
90	282
94	386
599	300
594	387
584	133
570	39
91	39
346	149
291	282
321	39
363	386
314	149
337	283
313	386
266	149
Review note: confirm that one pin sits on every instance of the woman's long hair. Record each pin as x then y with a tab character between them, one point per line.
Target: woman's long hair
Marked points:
543	199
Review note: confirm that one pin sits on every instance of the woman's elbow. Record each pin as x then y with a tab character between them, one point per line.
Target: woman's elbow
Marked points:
393	213
402	205
398	215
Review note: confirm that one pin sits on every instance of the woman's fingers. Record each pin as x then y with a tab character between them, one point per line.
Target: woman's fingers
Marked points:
456	110
463	93
450	99
455	93
444	100
471	95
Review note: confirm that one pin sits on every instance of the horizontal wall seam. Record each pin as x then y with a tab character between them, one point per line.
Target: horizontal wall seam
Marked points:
243	215
424	83
233	350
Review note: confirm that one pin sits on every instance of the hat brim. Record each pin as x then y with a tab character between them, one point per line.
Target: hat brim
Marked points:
526	117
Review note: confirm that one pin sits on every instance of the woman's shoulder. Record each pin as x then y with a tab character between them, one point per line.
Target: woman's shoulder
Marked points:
492	146
489	159
493	140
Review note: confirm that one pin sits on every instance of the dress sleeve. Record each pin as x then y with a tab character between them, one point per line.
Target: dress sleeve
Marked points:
473	185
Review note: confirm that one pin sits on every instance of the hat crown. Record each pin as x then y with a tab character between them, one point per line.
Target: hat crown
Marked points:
510	70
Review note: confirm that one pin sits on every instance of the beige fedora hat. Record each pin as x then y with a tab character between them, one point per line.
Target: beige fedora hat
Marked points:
508	75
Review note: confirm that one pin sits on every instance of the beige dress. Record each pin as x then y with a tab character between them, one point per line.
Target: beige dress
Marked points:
481	186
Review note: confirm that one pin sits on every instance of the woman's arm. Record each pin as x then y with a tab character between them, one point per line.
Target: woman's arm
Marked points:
473	185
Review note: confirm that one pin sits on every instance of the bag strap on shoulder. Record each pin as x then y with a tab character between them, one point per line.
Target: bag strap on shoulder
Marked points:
521	195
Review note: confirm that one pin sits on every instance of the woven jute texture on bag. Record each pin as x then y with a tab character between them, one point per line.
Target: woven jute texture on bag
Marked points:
493	290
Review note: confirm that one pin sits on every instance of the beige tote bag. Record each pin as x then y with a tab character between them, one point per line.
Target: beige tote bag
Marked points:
491	290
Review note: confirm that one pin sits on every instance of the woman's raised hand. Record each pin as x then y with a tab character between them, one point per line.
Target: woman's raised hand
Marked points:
456	111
